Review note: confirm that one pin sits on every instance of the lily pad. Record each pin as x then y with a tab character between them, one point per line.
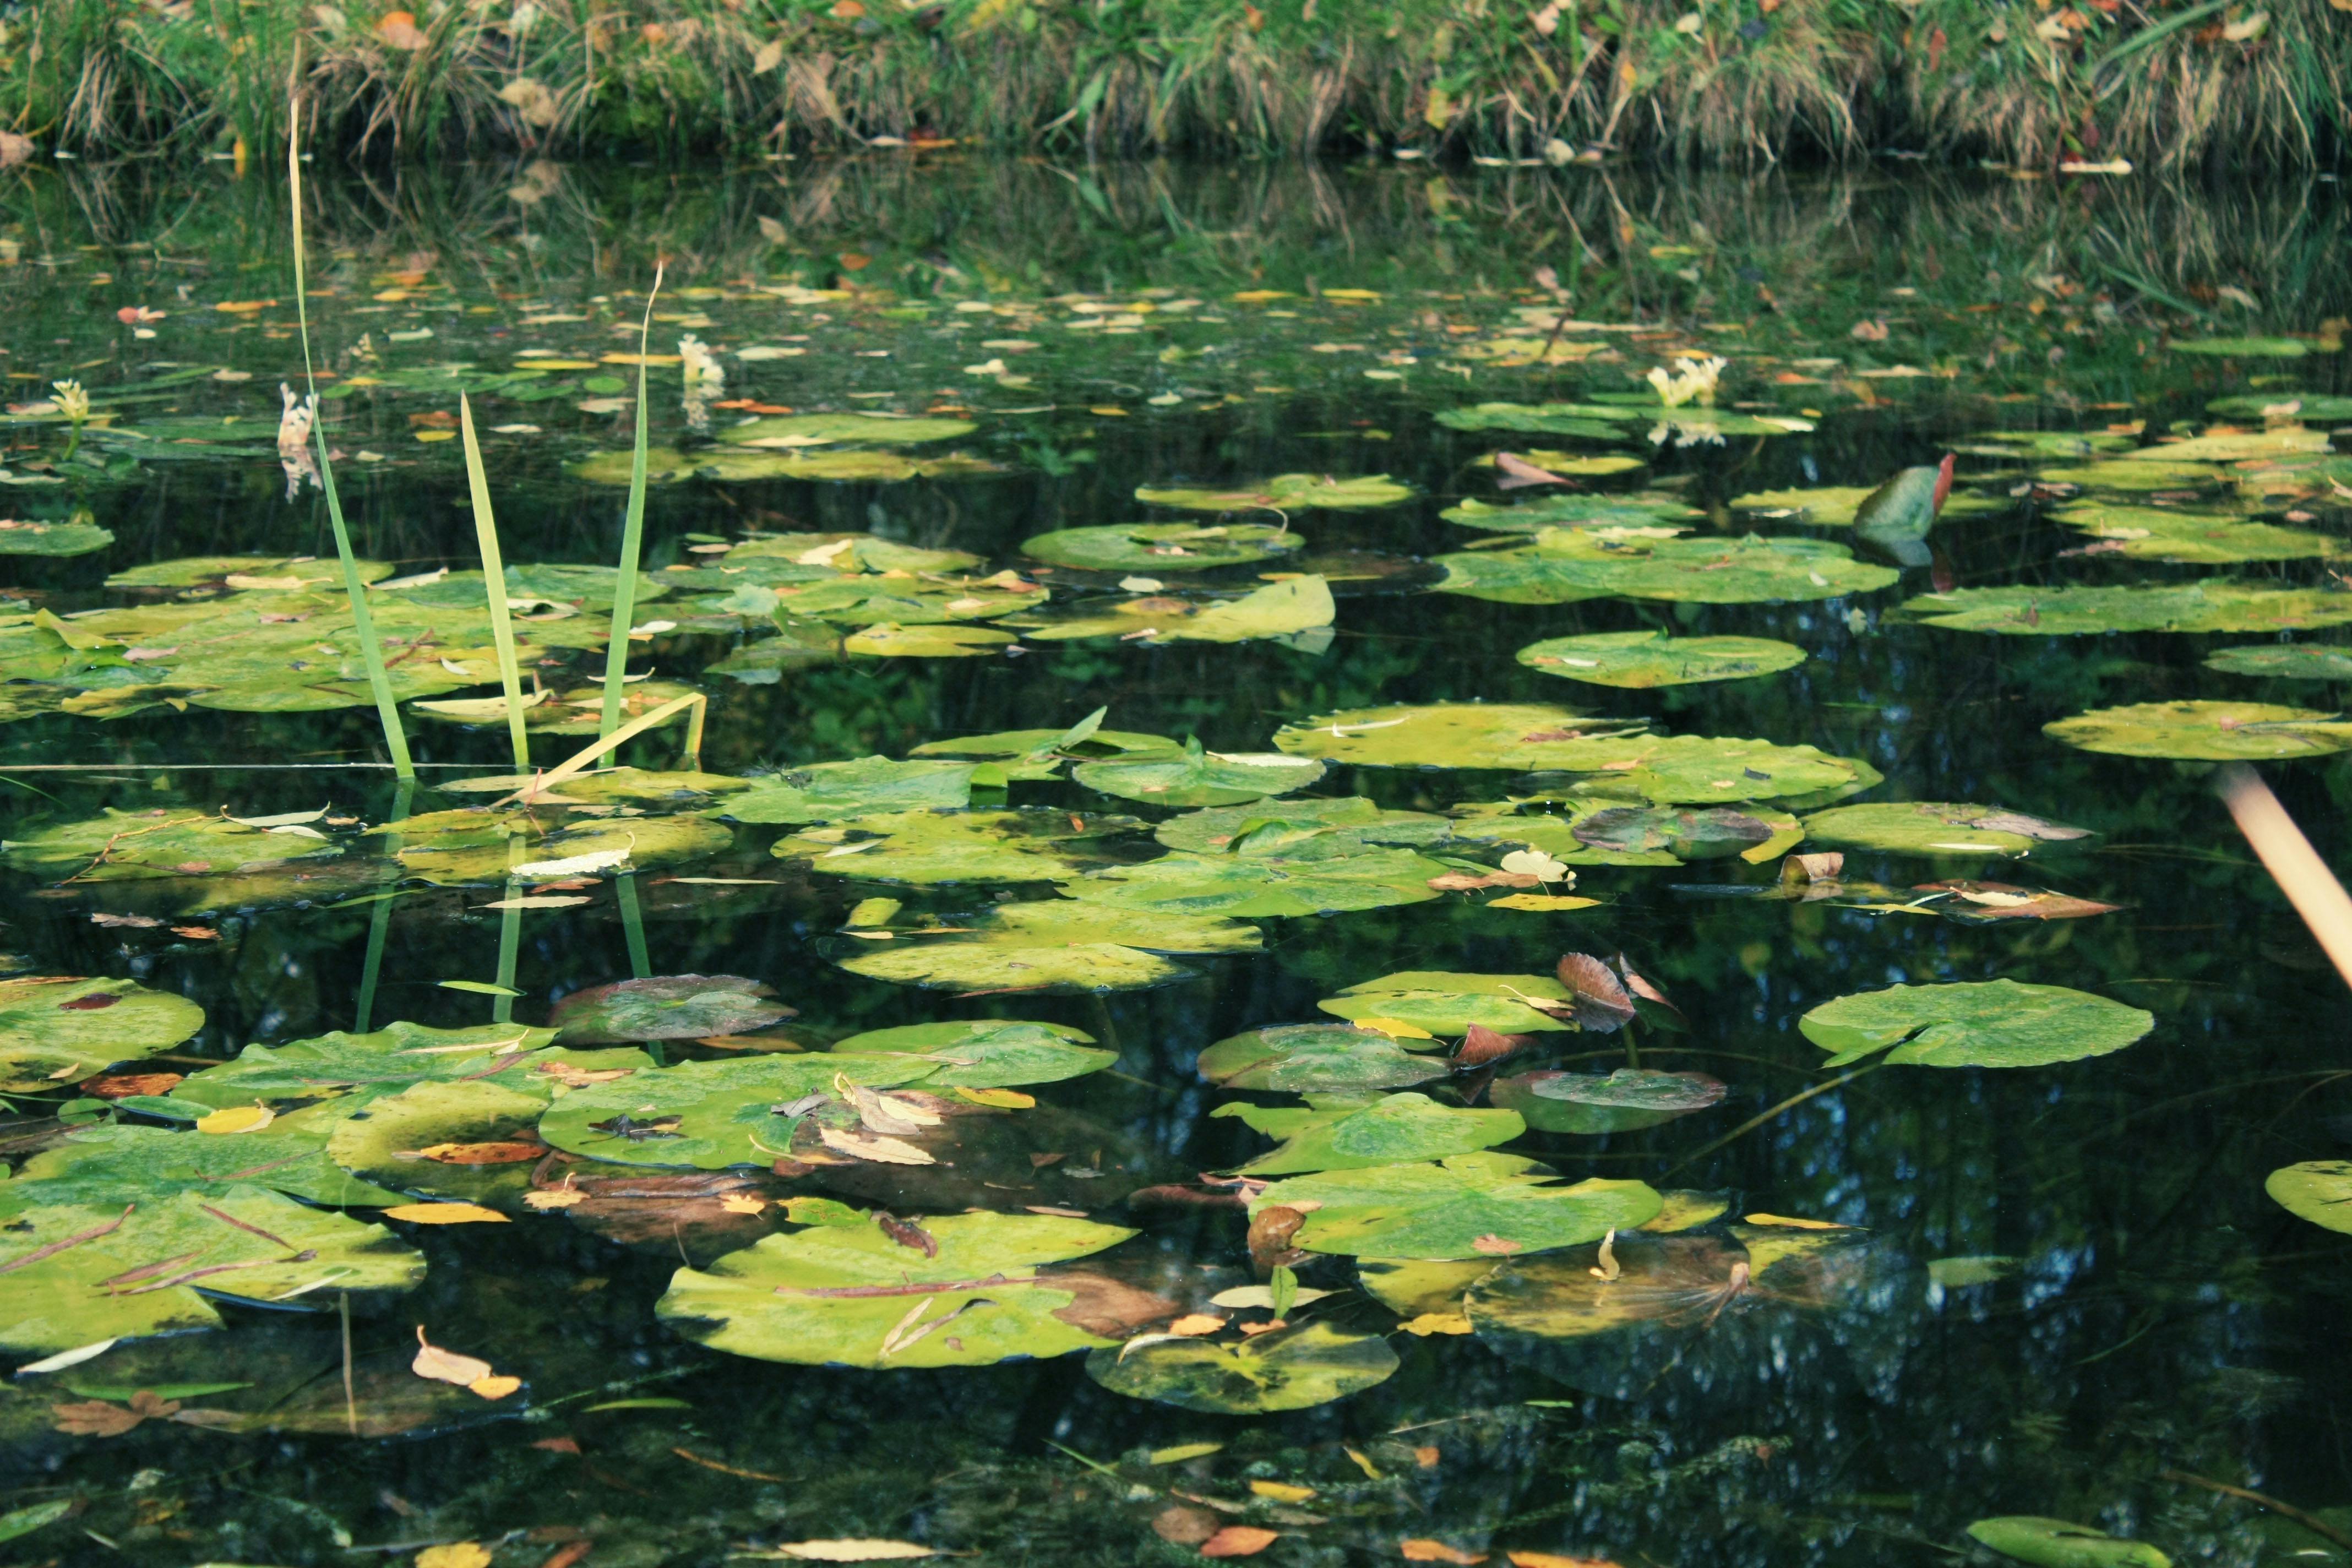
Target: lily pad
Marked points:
381	1062
1286	492
1290	1369
1645	659
2327	407
123	845
1277	610
2285	662
853	1296
1445	1003
840	553
1194	777
1705	770
892	641
1279	827
987	1053
54	1029
1564	565
2215	604
665	1007
1989	1023
467	1140
1591	420
2204	539
2318	1189
1045	945
827	792
122	1163
816	429
78	1273
77	536
1634	511
2055	1542
1935	827
2050	442
2235	446
713	1114
1315	1058
1162	548
249	573
1707	833
1393	1130
1625	1100
2205	731
1447	735
1035	843
1038	754
1263	886
1465	1207
2136	474
484	845
2239	348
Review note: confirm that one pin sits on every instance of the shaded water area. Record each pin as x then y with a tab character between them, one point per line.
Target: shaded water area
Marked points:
1874	1300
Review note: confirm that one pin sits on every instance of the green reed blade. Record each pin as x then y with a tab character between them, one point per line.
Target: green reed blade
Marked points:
494	578
633	539
387	707
380	919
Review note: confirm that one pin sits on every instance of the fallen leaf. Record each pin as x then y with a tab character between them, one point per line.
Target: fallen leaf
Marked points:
1420	1549
445	1214
236	1118
446	1366
1429	1323
1601	1000
456	1554
558	1444
1183	1526
1870	331
741	1203
554	1197
855	1550
1493	1246
1239	1541
1394	1029
399	29
122	1086
1195	1323
101	1418
1463	882
1282	1492
1777	1219
495	1387
1004	1099
1426	1458
882	1151
1555	1560
1482	1045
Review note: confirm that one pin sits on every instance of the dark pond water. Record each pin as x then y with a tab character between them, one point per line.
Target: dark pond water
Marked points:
2038	1273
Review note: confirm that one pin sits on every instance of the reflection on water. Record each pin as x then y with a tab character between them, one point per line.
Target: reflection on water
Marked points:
1848	1322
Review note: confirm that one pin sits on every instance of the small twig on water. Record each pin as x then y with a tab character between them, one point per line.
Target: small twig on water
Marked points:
1753	1123
2311	1523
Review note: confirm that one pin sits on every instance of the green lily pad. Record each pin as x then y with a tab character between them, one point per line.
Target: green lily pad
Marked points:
466	1140
665	1007
77	537
1315	1059
2216	605
2314	475
2298	662
119	1163
1051	944
1035	843
478	844
1394	1130
839	554
1625	834
815	429
578	712
713	1114
1705	770
1605	513
1162	547
1447	1004
1707	833
2239	348
2318	1189
1465	1206
988	1053
2055	1542
614	787
56	1028
1625	1100
664	465
1286	492
1277	610
1290	1369
1935	827
2050	442
838	1295
2235	446
1989	1023
384	1061
1589	420
888	641
827	792
1301	828
214	572
1194	777
123	845
1825	506
1564	565
1263	886
1038	754
1645	659
1570	464
2327	407
2205	731
1447	735
2205	538
2136	475
80	1273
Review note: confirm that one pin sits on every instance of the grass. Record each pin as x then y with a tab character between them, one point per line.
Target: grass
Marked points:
494	578
2173	82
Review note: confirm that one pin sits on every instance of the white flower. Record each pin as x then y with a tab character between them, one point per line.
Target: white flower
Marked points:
72	401
1695	379
295	423
704	376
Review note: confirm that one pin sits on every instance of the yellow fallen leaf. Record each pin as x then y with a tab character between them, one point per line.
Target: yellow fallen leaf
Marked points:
1184	1451
445	1214
1195	1323
554	1198
867	1146
1555	1560
436	435
555	364
1429	1323
854	1551
1282	1492
1364	1463
1423	1550
455	1554
1540	903
1792	1223
495	1385
1394	1029
236	1118
1004	1099
741	1203
641	358
446	1366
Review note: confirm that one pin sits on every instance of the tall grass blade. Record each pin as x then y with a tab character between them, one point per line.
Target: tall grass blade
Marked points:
494	576
579	762
380	920
387	707
633	539
632	924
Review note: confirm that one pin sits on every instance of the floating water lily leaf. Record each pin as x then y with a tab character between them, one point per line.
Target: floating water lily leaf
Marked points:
58	1028
1290	1369
1837	506
1528	826
665	1007
1393	1130
120	1164
817	429
1194	777
2239	348
1039	753
1280	827
856	1297
2317	475
1981	903
1701	770
1591	420
1315	1059
613	786
1935	827
471	1140
1645	659
1989	1023
2137	475
2318	1189
839	553
1279	609
1465	1206
987	1053
2233	446
577	711
1264	886
2205	731
2302	662
1035	843
122	846
2327	407
1162	547
77	537
80	1273
2055	1542
1658	511
827	792
891	641
1564	565
2049	442
1756	833
1447	1004
2211	605
822	464
2205	538
390	1058
218	572
482	845
1448	735
1047	945
1598	465
1624	1101
710	1114
1286	492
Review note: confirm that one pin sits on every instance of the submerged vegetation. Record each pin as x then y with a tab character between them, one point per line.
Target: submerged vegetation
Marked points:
2171	83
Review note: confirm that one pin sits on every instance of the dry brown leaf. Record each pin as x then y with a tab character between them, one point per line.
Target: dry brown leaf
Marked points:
1463	882
122	1086
854	1551
1421	1549
1183	1526
1239	1541
1555	1560
741	1203
1600	1002
446	1366
1426	1456
1482	1045
1493	1246
399	29
554	1197
1518	473
101	1419
1195	1323
881	1151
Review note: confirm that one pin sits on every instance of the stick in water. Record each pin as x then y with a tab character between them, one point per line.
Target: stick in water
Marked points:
2292	862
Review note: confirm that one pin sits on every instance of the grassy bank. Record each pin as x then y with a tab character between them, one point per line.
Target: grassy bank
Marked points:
2162	82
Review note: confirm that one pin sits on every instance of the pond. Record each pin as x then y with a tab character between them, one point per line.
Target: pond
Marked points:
1348	863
